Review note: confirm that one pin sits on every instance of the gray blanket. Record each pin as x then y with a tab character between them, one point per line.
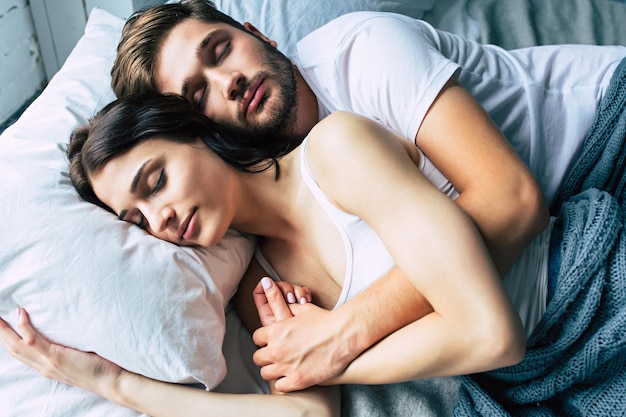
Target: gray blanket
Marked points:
518	24
575	362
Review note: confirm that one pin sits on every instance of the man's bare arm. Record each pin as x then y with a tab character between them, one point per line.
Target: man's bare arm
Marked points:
316	345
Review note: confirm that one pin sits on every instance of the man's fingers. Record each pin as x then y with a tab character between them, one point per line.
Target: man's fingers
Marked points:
259	357
270	372
287	384
259	337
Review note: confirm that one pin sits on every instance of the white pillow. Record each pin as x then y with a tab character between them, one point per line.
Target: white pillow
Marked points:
87	279
289	21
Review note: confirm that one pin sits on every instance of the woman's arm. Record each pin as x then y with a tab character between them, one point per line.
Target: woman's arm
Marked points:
365	170
145	395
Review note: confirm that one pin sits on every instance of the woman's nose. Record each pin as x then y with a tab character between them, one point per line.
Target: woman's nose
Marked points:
159	218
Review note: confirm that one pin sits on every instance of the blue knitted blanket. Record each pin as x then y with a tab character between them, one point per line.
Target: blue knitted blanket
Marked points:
575	364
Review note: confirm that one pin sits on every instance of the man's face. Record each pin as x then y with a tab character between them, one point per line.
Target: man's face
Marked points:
233	77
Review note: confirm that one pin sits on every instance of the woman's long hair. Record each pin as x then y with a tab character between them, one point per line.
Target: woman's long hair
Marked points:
124	123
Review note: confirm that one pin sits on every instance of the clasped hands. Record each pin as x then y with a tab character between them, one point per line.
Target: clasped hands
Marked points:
300	343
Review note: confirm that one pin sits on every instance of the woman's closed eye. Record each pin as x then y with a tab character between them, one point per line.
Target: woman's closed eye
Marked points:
159	183
142	223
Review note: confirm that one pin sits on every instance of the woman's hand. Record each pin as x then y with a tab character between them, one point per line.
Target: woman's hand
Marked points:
272	299
67	365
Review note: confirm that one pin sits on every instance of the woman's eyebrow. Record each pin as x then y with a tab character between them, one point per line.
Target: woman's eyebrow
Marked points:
133	185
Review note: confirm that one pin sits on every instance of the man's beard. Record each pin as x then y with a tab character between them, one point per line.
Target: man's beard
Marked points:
279	120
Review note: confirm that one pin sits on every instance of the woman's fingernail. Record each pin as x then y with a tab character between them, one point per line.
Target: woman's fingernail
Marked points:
303	300
266	283
291	298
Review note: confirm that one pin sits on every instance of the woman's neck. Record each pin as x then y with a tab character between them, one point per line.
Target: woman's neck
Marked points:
268	206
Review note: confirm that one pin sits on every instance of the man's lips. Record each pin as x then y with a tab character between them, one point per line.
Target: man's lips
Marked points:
252	97
186	229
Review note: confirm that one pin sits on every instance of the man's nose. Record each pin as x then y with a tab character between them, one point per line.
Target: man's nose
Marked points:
231	83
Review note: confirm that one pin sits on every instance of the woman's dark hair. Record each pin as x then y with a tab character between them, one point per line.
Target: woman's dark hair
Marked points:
125	122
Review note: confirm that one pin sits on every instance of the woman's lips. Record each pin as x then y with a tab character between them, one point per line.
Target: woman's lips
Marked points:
189	226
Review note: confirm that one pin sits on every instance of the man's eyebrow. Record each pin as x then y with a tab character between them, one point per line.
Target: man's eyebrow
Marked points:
201	46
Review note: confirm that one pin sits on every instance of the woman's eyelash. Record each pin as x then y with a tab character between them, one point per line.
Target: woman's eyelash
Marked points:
142	223
160	182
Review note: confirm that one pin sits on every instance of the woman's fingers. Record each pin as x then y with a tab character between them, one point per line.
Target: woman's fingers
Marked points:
275	299
294	294
272	299
27	344
8	337
27	332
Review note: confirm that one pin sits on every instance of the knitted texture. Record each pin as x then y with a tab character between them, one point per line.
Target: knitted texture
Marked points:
575	363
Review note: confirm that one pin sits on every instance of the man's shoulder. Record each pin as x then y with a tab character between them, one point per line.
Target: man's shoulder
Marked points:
354	27
348	21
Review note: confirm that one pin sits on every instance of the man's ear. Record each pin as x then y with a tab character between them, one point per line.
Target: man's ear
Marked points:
251	28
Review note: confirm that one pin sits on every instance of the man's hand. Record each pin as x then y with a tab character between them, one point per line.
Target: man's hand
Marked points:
299	352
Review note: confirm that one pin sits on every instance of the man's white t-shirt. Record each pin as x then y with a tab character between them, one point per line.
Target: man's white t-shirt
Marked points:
391	68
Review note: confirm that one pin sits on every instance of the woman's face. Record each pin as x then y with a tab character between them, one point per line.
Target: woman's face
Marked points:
177	192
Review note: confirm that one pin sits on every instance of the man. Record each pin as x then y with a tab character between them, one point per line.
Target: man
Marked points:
235	75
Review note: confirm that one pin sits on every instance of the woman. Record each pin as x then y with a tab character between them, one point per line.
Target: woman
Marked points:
159	175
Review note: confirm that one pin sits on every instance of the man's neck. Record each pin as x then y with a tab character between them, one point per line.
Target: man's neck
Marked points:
308	110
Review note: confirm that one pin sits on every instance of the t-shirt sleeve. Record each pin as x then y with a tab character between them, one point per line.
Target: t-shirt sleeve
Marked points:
384	66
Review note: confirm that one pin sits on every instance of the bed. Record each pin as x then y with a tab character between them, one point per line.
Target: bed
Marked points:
97	284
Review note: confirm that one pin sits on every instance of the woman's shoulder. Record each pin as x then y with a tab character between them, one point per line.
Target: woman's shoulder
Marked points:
345	148
348	135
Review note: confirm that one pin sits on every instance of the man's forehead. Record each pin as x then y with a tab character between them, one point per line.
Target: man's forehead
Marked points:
178	50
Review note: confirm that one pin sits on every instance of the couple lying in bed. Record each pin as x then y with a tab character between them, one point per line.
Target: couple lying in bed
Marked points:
346	202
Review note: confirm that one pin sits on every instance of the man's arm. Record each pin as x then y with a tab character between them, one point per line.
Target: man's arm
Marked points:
316	344
497	189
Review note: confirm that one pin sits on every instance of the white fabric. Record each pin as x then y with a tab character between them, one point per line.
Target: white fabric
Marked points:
391	68
436	178
527	281
87	279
